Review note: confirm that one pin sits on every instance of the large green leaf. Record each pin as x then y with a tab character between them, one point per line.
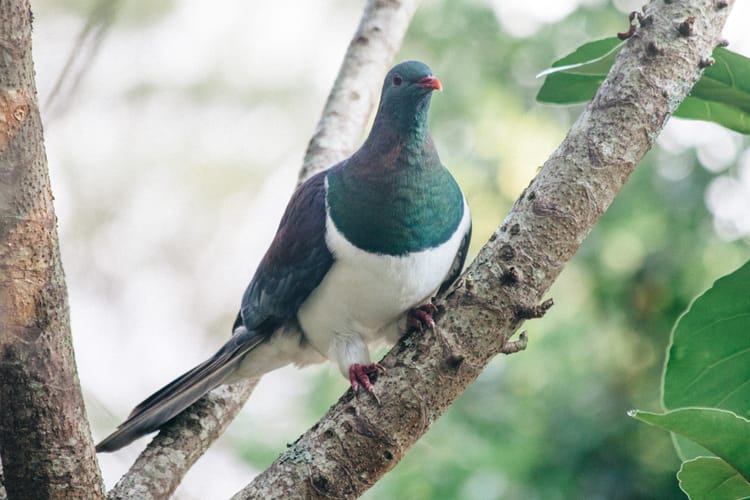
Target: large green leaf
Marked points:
722	432
722	95
708	362
727	81
717	112
575	78
711	478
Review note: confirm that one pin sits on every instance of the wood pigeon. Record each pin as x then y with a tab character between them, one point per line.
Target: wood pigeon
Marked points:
360	251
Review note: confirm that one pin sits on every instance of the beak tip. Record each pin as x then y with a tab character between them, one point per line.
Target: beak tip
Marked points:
431	82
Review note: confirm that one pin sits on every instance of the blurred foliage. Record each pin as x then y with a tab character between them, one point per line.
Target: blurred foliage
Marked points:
132	13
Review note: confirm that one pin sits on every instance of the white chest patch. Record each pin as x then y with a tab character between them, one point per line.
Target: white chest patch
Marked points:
364	296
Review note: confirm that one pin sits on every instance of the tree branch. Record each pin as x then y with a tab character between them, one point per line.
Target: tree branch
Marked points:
45	441
159	469
358	441
357	87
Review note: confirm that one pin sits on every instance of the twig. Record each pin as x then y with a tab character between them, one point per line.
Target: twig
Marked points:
80	58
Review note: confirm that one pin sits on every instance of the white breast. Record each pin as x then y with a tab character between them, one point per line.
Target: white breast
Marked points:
364	296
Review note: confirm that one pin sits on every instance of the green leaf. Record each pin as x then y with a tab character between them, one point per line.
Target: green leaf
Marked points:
708	362
698	109
687	449
711	478
576	77
722	95
726	81
722	432
593	58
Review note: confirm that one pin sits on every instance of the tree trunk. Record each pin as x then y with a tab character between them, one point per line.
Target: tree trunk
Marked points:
45	442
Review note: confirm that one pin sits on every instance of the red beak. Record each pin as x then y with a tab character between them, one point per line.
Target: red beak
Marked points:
430	82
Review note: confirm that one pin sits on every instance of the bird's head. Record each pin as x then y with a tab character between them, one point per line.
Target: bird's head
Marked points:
406	95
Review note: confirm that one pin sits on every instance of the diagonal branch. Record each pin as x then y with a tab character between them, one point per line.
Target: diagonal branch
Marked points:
358	441
160	468
80	59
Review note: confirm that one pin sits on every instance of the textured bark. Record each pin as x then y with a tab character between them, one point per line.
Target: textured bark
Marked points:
45	442
159	469
358	441
3	493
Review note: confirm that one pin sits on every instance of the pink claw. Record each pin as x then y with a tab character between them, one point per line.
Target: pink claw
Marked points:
421	317
359	374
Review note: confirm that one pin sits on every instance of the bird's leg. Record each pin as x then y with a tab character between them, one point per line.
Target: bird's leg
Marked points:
359	374
420	317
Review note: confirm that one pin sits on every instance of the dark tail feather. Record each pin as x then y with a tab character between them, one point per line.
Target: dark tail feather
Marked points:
170	400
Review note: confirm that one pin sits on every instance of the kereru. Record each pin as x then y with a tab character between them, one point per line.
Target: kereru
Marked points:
360	251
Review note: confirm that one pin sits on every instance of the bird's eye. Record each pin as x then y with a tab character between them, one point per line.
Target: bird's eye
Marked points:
397	80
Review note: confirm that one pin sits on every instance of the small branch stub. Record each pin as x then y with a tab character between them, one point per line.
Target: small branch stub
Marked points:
686	27
531	312
514	346
631	27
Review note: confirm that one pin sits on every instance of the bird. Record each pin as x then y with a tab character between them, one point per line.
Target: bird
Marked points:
360	251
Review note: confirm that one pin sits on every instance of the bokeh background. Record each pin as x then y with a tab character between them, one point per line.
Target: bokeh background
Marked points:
174	136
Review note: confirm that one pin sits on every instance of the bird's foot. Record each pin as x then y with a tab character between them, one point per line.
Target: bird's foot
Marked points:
420	317
360	374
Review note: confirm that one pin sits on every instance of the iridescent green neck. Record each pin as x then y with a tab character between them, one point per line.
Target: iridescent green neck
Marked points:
397	202
398	123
